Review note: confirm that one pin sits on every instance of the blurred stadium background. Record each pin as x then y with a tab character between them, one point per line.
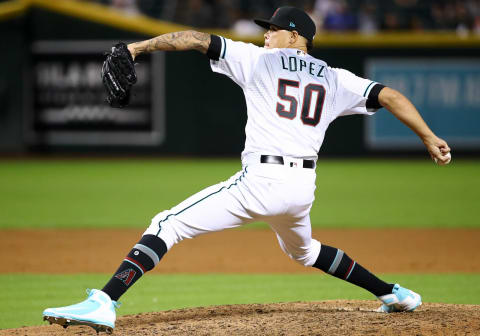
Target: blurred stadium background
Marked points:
53	100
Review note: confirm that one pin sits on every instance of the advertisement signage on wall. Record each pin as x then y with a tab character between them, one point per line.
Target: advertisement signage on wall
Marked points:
67	101
445	91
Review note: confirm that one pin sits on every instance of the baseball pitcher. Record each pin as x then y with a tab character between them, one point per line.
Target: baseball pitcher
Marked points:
291	100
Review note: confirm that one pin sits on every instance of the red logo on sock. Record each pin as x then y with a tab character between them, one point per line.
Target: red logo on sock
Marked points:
126	276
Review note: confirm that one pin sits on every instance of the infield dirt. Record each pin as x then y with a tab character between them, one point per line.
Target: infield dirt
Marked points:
241	251
256	251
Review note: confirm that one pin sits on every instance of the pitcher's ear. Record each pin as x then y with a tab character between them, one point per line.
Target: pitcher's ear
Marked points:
293	36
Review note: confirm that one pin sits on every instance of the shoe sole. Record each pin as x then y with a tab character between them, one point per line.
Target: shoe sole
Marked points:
380	309
65	322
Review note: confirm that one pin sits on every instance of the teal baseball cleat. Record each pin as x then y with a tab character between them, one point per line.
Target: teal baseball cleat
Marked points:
401	299
97	311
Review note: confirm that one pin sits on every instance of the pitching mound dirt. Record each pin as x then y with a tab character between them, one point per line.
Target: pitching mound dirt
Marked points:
297	318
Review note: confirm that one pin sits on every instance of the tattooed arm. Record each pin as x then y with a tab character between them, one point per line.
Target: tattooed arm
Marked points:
184	40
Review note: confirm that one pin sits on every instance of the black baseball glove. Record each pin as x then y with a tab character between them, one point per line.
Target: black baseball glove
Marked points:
118	75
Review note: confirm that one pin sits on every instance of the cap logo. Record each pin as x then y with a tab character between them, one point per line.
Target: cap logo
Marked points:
292	24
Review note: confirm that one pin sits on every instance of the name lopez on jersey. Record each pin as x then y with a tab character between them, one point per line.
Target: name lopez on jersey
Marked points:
295	64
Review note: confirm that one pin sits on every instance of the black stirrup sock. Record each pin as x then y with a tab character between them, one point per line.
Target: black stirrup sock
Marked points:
141	259
337	263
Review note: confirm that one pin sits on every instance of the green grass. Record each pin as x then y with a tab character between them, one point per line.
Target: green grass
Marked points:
24	296
129	192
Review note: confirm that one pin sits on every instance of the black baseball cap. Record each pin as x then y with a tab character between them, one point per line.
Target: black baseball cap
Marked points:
290	18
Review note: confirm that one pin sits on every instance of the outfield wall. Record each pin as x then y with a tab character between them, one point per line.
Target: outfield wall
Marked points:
53	99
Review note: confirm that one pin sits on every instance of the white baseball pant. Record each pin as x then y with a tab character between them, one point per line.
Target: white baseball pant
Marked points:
280	195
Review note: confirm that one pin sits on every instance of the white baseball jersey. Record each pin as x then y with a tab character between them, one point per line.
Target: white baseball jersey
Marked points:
291	97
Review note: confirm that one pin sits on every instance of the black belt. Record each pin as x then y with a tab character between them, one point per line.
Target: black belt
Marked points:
275	159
